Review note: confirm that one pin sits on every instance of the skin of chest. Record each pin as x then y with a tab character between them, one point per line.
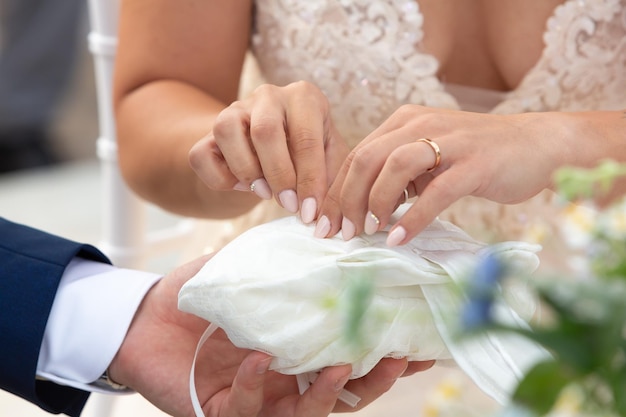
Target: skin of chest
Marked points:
485	43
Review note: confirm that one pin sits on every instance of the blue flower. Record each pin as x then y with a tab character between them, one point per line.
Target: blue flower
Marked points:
481	292
476	314
488	273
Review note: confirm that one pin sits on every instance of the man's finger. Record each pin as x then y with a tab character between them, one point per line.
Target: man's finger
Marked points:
246	394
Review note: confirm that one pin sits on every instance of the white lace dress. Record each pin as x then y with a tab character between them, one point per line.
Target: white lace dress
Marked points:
367	57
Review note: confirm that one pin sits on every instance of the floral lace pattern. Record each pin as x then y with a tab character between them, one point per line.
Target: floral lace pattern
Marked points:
583	66
362	54
368	59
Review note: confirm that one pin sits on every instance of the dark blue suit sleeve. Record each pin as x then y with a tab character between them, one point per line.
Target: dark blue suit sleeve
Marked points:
31	265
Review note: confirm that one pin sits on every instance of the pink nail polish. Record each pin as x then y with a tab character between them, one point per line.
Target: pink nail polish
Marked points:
396	236
261	188
371	223
322	228
240	186
289	200
308	210
347	229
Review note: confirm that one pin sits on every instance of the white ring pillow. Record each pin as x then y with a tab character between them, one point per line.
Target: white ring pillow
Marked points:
279	290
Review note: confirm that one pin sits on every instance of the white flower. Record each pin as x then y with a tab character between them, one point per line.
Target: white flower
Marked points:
612	222
577	225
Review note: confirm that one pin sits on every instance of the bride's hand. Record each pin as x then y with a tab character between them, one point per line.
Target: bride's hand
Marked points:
506	159
279	142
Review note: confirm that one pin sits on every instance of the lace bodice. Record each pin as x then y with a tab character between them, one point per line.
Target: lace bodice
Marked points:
368	59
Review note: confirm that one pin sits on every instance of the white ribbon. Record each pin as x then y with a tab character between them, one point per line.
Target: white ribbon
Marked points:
192	380
304	380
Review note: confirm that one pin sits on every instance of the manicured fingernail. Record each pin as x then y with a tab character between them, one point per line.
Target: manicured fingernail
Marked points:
308	210
371	223
289	200
322	227
341	382
347	229
261	188
263	366
396	236
240	186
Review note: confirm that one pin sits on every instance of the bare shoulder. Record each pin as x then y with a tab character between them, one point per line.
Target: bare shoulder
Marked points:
201	42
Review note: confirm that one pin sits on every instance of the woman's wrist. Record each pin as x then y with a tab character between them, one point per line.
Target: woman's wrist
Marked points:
585	139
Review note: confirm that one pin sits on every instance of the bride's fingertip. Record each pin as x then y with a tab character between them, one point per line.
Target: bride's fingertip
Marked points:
289	200
372	223
240	186
322	228
308	210
396	236
348	230
261	188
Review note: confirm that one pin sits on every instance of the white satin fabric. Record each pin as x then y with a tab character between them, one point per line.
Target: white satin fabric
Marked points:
279	290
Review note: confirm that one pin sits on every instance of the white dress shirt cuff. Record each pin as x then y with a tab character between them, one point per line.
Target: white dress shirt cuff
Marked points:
92	310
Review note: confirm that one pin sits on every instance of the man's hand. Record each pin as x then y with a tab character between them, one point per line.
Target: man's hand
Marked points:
156	355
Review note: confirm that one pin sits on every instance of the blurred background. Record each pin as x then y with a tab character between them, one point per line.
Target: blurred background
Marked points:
47	90
74	128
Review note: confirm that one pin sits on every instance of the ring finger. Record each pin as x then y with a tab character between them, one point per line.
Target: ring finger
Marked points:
404	165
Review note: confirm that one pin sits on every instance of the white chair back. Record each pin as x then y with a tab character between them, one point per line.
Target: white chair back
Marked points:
125	236
126	239
123	214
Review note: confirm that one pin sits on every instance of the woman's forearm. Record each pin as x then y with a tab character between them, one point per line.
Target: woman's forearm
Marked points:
157	125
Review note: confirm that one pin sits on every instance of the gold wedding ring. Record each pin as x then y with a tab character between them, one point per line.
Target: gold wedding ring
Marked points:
435	149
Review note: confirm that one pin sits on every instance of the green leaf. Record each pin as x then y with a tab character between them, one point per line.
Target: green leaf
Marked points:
542	385
573	182
619	389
